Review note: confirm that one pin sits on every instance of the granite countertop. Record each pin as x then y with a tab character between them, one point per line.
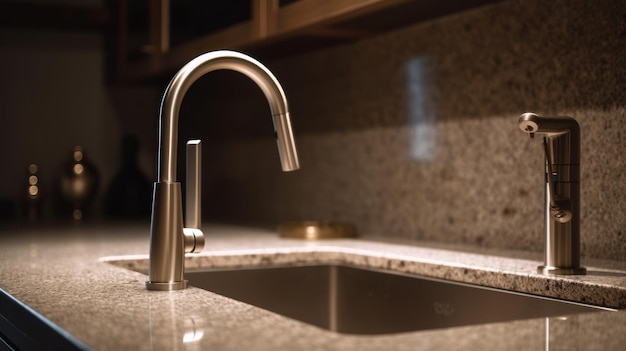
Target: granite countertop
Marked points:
75	278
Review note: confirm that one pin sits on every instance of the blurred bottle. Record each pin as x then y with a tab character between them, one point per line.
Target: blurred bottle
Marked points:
130	193
7	210
77	187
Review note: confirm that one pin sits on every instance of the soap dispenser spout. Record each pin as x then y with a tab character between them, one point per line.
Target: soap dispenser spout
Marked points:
168	239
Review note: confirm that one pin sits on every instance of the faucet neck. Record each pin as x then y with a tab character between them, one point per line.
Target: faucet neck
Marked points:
203	64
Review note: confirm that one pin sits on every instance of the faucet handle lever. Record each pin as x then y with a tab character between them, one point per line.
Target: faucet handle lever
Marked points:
194	238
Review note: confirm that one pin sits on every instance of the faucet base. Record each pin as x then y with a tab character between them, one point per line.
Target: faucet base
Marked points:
166	286
561	271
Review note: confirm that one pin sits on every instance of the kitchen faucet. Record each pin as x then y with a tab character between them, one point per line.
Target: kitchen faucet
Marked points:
562	191
169	241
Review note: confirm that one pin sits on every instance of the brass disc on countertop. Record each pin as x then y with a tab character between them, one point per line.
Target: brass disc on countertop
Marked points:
315	230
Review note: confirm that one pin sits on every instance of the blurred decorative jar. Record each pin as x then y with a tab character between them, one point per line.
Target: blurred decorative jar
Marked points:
77	187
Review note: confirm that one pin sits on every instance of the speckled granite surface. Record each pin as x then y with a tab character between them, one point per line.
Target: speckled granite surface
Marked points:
64	275
414	133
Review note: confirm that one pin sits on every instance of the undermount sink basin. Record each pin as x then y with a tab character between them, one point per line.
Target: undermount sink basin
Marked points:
353	300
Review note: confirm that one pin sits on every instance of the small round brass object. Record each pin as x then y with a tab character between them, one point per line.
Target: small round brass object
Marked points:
315	230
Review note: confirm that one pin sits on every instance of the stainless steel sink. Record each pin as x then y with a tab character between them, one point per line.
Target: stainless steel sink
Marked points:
353	300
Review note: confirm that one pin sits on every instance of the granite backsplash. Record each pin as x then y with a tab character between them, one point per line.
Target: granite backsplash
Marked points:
413	134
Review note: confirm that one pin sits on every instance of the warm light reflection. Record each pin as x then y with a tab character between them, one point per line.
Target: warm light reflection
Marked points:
78	155
421	109
33	191
78	169
32	180
311	232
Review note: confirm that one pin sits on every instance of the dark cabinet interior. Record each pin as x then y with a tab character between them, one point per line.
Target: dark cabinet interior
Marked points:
148	39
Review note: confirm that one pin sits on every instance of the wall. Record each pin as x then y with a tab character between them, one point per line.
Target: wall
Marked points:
54	98
413	134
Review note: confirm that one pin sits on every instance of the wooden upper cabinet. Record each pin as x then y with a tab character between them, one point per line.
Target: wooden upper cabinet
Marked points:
154	38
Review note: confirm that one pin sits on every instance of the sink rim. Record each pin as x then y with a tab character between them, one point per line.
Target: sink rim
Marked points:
398	273
510	274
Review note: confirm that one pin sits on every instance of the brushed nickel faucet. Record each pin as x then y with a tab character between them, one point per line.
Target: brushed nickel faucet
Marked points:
169	241
562	191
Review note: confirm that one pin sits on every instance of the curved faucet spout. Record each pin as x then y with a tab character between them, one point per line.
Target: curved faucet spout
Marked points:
196	68
168	239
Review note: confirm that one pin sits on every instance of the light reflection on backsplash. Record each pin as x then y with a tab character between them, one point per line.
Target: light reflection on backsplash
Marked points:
422	109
